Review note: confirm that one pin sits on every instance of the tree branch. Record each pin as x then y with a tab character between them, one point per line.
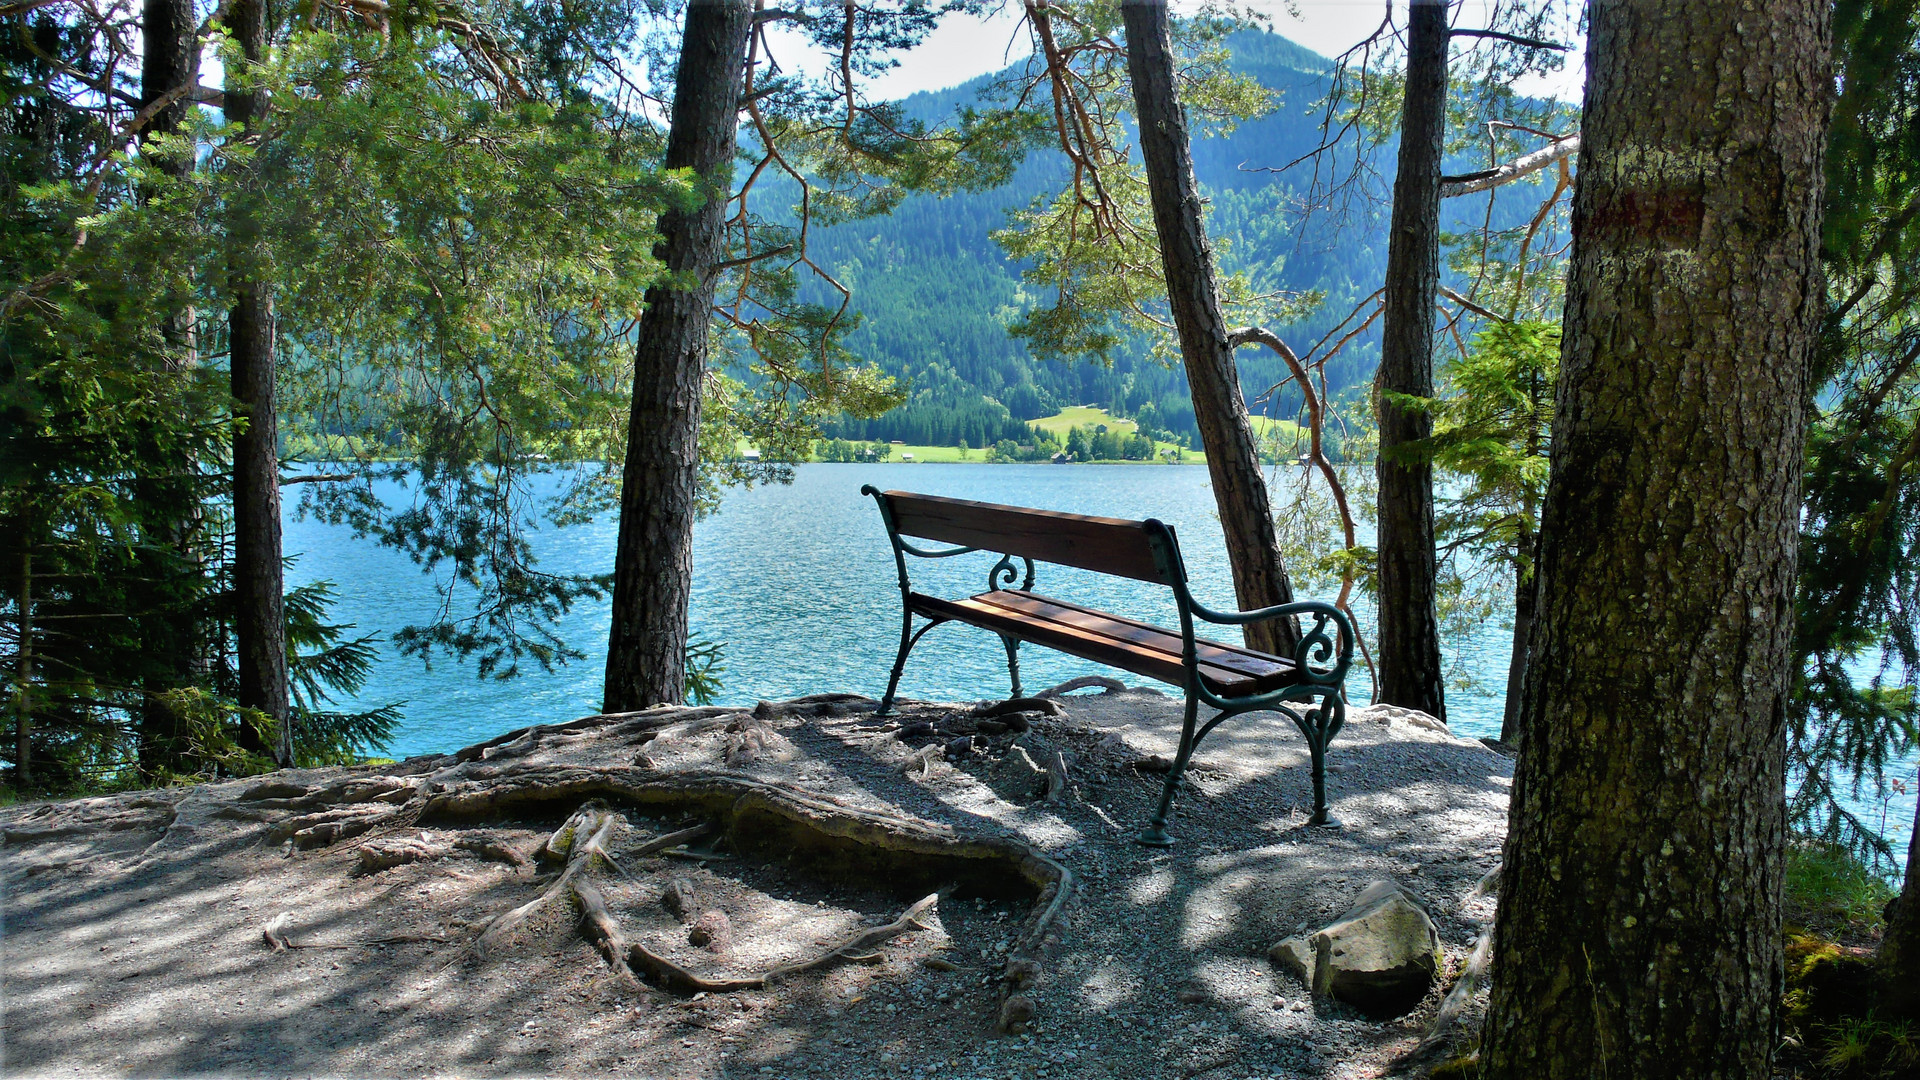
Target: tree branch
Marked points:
722	267
1513	39
1470	183
1471	306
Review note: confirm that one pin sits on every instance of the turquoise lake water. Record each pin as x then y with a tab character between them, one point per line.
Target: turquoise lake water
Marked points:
798	582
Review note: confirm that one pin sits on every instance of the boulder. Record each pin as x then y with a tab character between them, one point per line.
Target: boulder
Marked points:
1381	956
1295	956
1395	714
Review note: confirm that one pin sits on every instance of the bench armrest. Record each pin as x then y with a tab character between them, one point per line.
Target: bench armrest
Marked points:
1316	648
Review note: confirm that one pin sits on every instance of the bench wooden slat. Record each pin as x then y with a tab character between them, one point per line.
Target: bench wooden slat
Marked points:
1107	545
1224	668
1082	643
1245	661
1106	640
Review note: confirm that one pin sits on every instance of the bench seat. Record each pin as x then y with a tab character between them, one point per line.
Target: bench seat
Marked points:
1227	670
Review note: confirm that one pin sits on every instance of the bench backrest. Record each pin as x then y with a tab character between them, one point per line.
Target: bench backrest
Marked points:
1107	545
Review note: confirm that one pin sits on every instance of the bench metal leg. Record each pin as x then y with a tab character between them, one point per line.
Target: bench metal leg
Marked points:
1323	723
1155	834
908	638
1013	662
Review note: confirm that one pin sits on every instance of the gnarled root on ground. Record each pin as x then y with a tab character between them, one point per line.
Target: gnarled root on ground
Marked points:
679	980
835	840
497	779
593	822
1084	682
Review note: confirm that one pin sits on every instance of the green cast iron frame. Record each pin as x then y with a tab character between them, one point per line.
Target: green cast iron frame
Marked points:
1315	701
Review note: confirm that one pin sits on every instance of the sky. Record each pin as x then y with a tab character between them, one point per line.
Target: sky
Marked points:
965	47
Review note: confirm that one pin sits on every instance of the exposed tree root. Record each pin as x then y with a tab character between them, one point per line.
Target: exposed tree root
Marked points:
332	826
834	840
921	760
837	840
598	927
1057	787
675	979
565	843
96	816
280	795
672	840
492	849
908	922
679	899
522	741
1043	705
1084	682
1472	976
389	852
751	738
579	854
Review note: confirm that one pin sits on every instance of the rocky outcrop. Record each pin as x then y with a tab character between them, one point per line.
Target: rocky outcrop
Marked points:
1380	956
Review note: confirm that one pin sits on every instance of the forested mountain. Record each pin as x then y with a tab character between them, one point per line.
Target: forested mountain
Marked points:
936	292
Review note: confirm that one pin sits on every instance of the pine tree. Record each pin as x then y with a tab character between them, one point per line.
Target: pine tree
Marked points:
1639	926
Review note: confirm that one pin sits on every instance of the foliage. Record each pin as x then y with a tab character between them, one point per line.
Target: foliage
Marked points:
459	276
1042	447
103	428
842	450
1854	708
1103	445
1829	889
704	669
1490	440
1832	1019
1833	1014
324	665
1091	244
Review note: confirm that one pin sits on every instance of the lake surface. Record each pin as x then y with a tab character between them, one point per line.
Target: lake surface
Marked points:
798	582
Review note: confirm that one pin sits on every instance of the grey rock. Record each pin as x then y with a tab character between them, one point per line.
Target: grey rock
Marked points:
1295	956
1380	956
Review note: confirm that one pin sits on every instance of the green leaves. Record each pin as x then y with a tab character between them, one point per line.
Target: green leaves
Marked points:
1090	252
1859	594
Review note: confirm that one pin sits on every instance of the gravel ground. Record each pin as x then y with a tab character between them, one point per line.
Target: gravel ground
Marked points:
133	925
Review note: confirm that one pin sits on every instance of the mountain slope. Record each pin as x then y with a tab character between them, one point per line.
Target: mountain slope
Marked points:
936	292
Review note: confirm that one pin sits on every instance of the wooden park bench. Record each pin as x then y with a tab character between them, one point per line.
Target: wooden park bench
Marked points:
1308	687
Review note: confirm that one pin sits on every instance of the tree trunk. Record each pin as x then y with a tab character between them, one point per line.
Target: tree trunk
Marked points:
171	518
1525	597
1409	661
1639	925
1233	456
260	621
170	59
653	559
23	685
1899	955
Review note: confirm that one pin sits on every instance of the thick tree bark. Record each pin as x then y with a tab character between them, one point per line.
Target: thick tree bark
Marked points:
1409	660
1639	924
1220	411
260	622
23	681
169	59
653	560
1525	597
1899	955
